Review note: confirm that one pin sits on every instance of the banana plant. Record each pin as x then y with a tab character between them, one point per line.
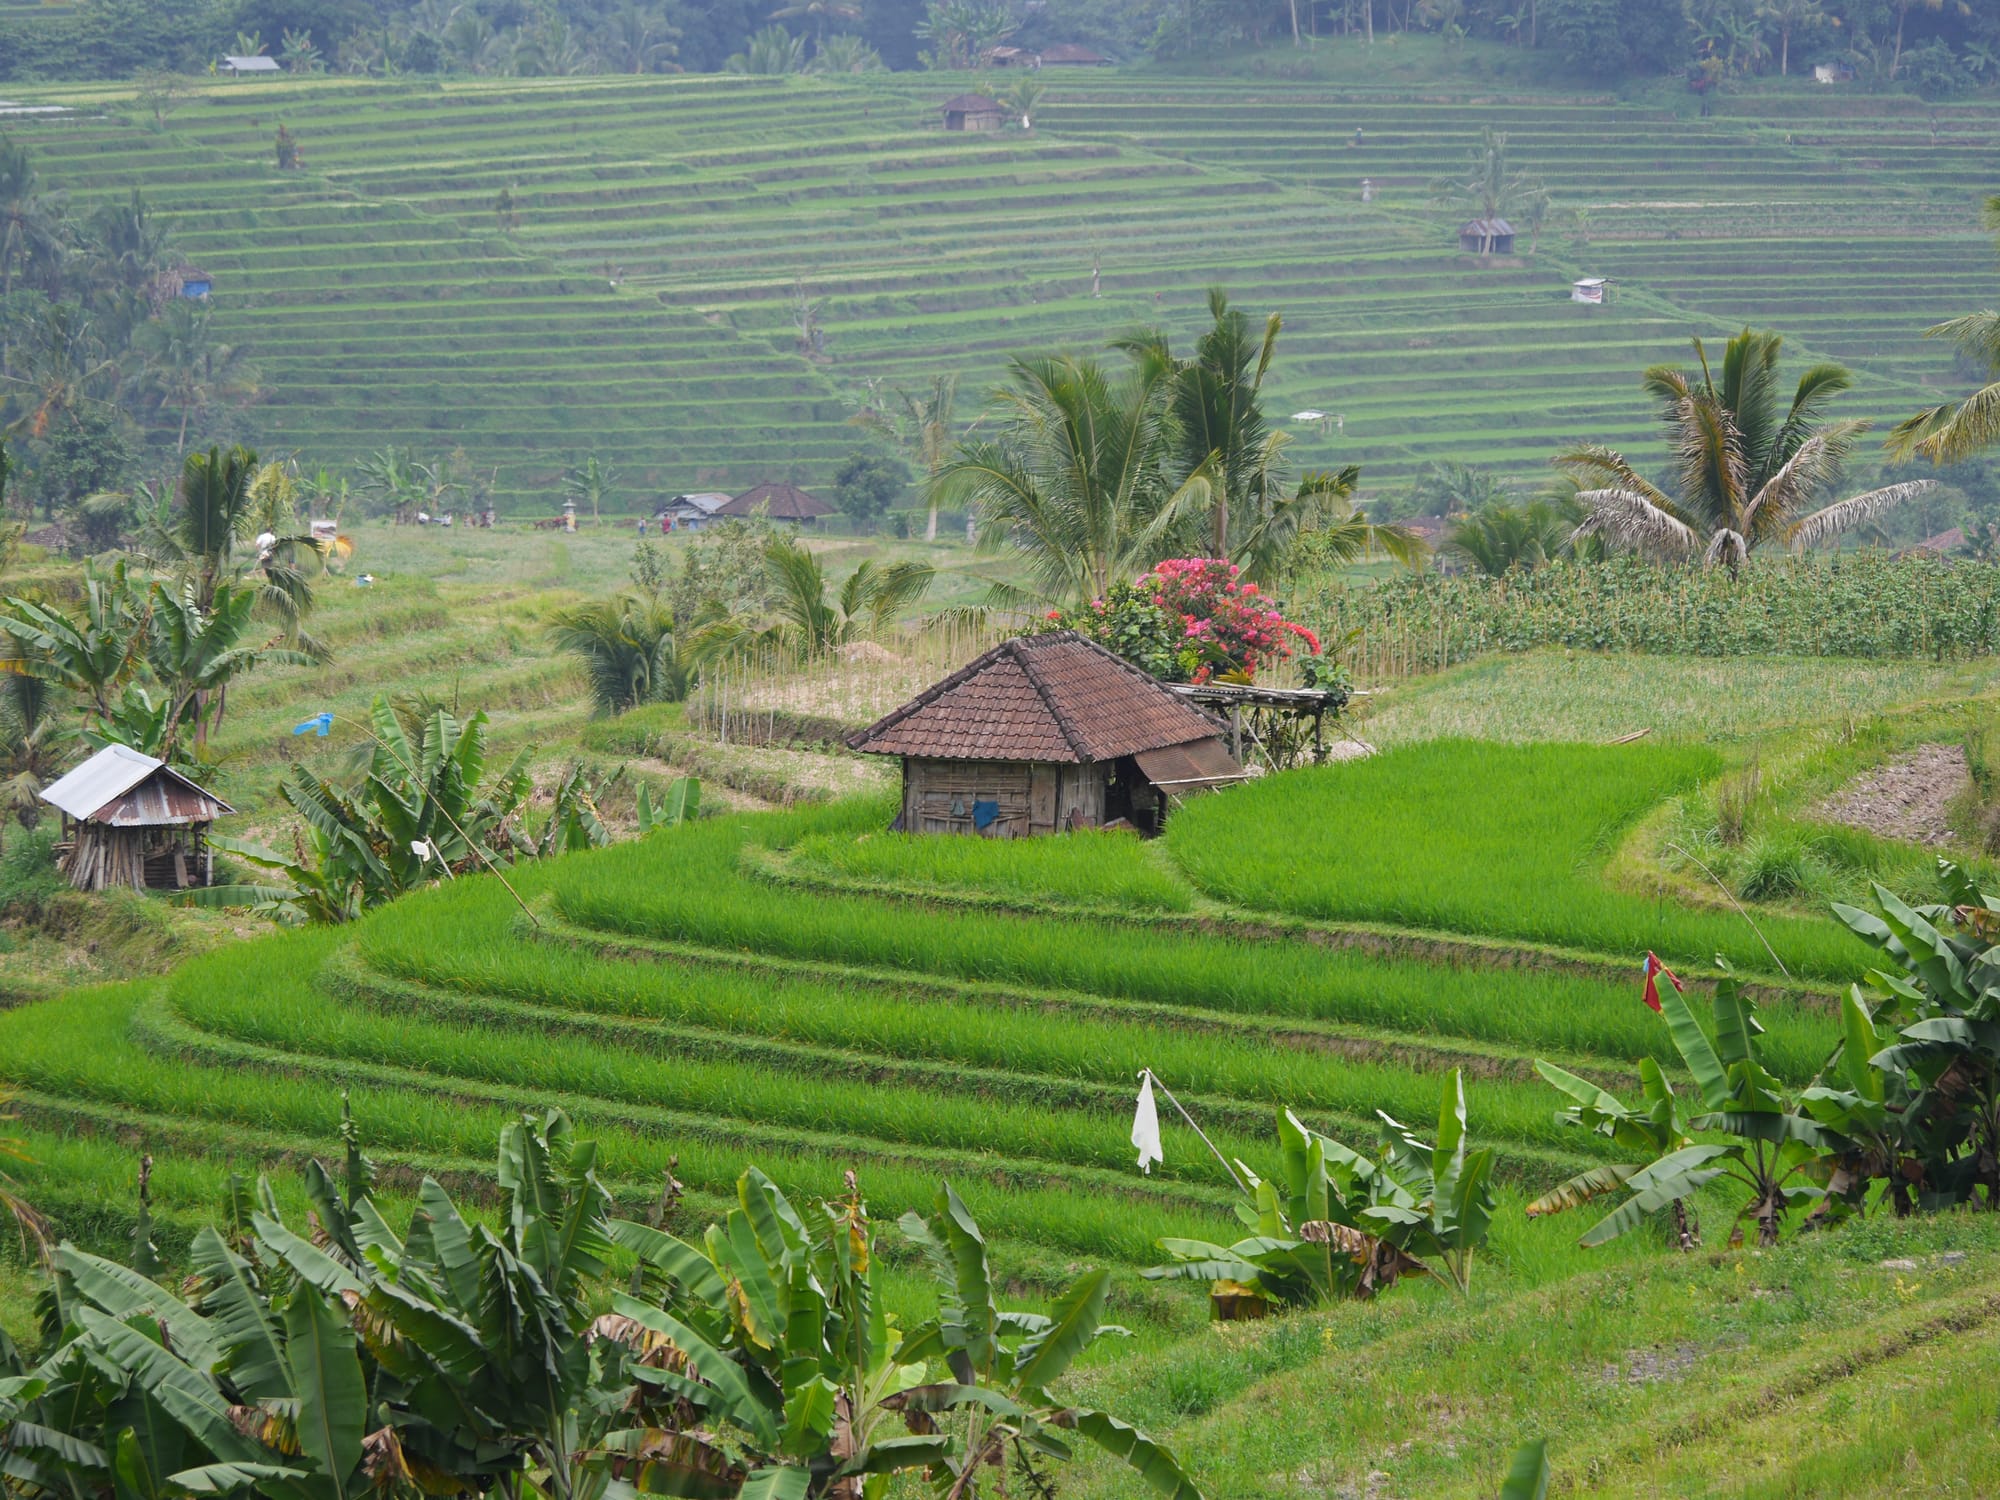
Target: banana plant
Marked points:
450	1359
1656	1130
1940	996
1001	1364
804	1386
680	803
1453	1186
1768	1143
1341	1225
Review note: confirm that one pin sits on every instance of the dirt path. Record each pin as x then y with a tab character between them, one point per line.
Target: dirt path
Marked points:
1909	797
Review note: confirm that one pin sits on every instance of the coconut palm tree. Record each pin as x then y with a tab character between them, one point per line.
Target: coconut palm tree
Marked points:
1501	538
1218	433
588	483
1075	482
1958	429
1747	468
188	368
919	422
1490	188
819	12
868	602
208	536
632	651
845	53
32	232
772	50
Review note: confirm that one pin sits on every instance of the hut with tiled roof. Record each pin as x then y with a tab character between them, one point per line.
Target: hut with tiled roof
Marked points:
779	502
1046	733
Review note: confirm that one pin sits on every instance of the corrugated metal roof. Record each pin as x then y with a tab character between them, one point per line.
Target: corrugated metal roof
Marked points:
251	64
1486	229
972	104
122	787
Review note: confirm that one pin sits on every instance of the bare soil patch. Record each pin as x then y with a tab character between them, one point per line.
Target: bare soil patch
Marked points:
1909	797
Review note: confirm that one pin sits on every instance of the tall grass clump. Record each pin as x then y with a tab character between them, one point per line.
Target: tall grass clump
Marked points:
1507	841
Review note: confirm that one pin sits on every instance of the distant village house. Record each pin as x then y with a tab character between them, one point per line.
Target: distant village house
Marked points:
241	66
778	502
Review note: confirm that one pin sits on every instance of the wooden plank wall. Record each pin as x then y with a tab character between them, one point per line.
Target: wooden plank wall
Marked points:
1034	799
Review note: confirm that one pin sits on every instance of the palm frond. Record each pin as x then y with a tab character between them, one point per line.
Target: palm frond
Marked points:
1952	432
1824	525
1628	518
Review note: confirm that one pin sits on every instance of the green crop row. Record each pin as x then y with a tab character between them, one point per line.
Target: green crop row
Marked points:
1509	841
691	887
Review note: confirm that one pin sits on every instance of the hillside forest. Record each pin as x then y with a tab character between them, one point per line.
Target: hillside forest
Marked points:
1937	50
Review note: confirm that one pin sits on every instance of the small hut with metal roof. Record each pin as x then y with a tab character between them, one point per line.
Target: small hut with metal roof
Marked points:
131	820
1486	237
779	502
1045	733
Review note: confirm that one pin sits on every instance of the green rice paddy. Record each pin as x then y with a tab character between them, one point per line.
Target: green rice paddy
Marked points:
643	307
806	992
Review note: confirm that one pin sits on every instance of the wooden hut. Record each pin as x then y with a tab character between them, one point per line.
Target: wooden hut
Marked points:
973	112
1486	237
779	502
1045	733
134	821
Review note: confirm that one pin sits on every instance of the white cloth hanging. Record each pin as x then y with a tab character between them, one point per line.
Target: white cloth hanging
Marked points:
1146	1126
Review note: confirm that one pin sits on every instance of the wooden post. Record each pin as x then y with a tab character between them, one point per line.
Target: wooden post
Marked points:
1236	732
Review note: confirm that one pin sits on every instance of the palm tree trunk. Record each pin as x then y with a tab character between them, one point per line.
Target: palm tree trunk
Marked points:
1902	14
1368	19
1784	51
1295	22
1221	522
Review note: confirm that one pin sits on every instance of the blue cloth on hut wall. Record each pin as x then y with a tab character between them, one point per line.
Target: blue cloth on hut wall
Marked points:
983	814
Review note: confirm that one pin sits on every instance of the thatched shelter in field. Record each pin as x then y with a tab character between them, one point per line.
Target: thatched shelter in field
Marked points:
1486	237
134	821
1045	733
973	112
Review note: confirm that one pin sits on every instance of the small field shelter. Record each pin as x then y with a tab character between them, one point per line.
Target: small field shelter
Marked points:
973	112
1046	733
1486	237
131	820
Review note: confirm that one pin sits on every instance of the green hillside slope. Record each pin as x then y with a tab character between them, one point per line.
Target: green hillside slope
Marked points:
644	305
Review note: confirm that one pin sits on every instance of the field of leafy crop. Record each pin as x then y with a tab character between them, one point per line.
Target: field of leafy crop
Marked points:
807	992
643	306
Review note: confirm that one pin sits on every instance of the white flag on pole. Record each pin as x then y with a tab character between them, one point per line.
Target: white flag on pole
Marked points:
1146	1126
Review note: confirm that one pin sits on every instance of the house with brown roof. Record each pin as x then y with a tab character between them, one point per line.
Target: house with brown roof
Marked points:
1046	733
779	502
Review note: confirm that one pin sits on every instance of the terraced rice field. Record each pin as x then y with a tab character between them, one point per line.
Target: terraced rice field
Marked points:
643	306
717	995
801	991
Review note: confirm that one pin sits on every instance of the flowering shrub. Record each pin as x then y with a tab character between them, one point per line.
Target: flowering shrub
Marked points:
1191	619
